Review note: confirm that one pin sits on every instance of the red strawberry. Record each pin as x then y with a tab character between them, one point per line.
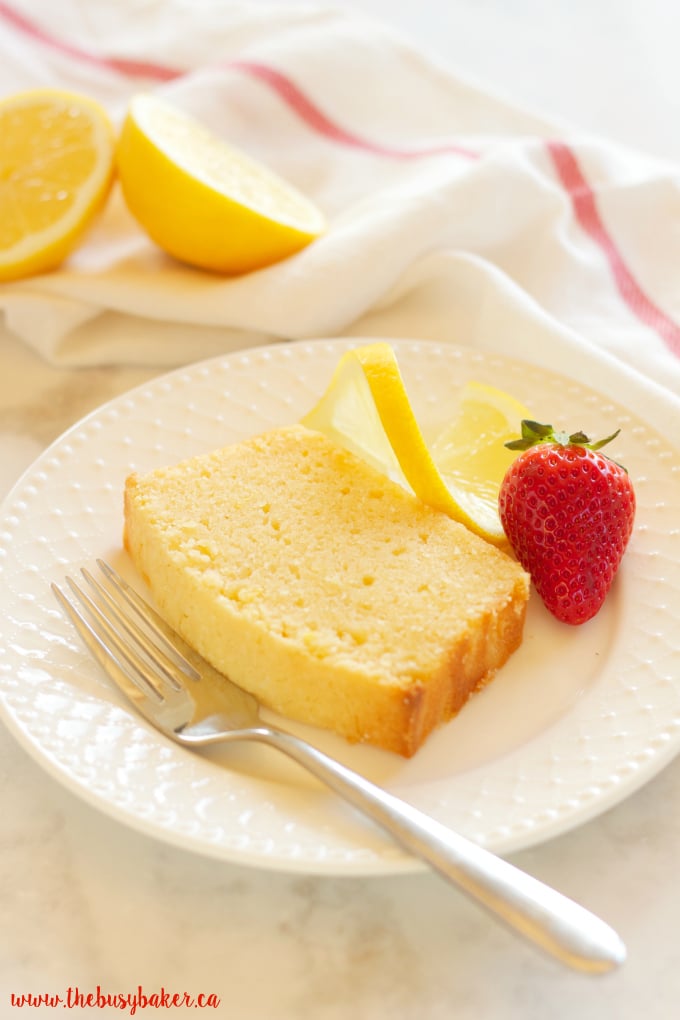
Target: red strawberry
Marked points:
567	511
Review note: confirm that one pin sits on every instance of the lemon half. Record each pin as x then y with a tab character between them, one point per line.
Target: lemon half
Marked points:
366	409
56	170
203	201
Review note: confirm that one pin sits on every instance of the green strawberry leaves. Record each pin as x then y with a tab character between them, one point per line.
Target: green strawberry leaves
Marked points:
533	433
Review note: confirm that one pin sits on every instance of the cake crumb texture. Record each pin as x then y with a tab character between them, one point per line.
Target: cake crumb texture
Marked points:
325	589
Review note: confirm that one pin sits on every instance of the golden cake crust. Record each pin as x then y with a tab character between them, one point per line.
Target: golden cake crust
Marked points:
322	587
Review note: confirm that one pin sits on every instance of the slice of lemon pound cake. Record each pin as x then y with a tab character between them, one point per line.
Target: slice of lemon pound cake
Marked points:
325	589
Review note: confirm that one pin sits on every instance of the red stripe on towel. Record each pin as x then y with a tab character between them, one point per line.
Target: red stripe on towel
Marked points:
569	172
588	216
315	118
285	88
129	68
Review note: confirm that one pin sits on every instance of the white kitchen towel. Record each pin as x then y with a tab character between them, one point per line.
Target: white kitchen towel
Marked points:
453	216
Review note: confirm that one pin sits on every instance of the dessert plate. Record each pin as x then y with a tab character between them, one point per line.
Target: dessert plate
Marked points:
577	720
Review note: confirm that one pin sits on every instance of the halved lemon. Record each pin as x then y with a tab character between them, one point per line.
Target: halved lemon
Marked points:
203	201
367	410
56	169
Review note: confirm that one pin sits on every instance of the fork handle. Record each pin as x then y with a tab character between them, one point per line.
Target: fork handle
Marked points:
545	917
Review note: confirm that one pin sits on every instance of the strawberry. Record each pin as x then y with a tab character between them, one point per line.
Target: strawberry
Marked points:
567	511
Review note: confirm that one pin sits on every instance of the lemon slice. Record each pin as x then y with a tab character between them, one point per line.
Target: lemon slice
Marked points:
203	201
471	455
56	169
367	410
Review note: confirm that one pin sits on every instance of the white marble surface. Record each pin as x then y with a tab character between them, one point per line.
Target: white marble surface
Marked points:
90	903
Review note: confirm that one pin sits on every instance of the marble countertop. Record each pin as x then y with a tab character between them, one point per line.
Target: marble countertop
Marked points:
89	903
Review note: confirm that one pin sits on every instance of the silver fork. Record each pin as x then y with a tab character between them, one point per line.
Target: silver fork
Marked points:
180	694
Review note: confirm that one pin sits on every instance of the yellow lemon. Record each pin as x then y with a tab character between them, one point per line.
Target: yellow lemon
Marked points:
367	410
471	455
56	169
203	201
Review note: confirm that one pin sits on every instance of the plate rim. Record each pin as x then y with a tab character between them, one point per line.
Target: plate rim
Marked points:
394	863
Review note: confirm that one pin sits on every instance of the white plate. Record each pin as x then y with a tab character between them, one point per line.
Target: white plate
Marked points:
578	719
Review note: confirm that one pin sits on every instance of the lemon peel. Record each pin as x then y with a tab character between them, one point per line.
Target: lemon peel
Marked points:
367	410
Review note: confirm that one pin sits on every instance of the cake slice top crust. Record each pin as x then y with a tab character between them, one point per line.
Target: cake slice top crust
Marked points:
301	538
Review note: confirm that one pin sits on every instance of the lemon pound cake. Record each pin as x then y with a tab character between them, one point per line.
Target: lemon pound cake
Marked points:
325	589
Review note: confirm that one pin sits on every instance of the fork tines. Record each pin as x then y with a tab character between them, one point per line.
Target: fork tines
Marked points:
124	634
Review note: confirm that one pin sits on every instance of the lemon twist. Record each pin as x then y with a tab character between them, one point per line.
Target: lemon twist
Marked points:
367	410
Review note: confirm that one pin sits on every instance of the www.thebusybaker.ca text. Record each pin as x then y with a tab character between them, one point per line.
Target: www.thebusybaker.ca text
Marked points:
74	998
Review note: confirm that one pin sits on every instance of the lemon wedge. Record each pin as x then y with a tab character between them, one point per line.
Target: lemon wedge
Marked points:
56	169
203	201
366	409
